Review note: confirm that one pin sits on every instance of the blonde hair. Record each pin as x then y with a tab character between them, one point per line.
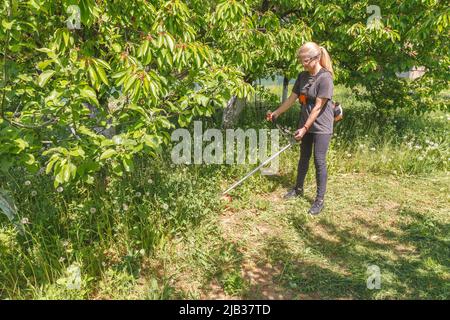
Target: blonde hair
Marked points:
312	49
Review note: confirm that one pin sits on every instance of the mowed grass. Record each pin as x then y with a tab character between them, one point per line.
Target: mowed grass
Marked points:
400	225
164	232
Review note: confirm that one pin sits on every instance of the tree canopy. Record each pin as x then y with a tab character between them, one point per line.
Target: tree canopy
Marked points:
88	84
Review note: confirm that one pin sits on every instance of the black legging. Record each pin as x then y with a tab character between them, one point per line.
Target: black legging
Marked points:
321	143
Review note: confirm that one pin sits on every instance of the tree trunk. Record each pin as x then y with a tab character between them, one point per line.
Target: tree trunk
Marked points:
285	89
231	113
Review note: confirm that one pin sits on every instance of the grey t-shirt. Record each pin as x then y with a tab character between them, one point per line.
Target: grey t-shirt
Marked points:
322	87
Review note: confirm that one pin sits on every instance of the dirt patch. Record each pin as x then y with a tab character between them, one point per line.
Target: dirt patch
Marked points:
260	278
215	292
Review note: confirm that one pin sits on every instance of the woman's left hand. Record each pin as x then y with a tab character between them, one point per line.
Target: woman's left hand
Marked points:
300	133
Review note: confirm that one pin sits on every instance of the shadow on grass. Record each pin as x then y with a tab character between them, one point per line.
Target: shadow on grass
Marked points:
333	263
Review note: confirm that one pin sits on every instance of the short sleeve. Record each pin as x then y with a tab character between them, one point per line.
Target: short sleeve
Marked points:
325	86
298	83
296	89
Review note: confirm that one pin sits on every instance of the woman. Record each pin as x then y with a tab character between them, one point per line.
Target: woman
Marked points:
314	88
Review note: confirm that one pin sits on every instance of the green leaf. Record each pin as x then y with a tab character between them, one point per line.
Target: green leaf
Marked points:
116	47
66	37
129	82
44	64
31	160
102	74
22	144
184	119
7	25
104	64
50	164
44	77
150	141
169	42
143	48
44	50
59	176
78	152
108	154
119	74
202	100
128	164
93	76
90	94
72	170
117	169
65	172
148	57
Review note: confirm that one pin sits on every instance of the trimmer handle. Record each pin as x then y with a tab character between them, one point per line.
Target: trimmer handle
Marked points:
271	117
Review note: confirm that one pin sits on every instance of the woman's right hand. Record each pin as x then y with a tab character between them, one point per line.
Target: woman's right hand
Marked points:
271	116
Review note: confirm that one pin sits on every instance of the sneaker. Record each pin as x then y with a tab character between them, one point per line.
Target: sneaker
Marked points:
316	207
293	193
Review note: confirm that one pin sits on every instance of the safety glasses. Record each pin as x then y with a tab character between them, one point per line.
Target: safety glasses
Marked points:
307	60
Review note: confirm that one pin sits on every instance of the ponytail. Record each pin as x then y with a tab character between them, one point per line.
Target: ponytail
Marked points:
325	60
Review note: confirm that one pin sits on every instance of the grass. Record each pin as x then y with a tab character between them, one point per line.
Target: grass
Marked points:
400	225
163	232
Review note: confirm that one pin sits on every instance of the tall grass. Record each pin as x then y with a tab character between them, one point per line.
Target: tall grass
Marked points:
371	140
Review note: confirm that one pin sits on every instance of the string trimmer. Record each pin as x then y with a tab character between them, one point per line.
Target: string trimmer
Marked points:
284	131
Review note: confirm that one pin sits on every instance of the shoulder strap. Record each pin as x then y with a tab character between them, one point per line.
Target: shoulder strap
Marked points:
314	78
